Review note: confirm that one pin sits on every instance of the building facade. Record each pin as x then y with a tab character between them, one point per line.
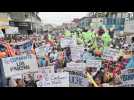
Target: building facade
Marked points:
27	22
85	22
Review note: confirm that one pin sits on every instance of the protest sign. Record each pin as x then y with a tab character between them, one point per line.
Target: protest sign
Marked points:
19	64
40	51
23	47
76	52
75	66
77	79
110	54
94	63
47	69
67	42
44	71
127	77
76	74
56	80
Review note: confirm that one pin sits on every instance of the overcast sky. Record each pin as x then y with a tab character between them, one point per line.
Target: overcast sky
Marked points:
58	18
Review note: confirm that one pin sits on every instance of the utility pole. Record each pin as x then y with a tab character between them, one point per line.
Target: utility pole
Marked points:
31	21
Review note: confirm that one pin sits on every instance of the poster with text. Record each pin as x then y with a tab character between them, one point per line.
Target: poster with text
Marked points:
19	64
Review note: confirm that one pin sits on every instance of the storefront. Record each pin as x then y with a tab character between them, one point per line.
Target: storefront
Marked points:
23	27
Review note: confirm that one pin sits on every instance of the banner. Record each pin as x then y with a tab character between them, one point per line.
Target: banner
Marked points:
23	47
110	54
76	52
55	80
12	30
4	23
67	42
19	65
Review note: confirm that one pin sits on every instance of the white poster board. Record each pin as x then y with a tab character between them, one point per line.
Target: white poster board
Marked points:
110	54
75	66
55	80
19	65
67	42
76	52
94	63
77	79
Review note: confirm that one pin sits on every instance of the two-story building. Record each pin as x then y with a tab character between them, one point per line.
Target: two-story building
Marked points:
27	22
85	22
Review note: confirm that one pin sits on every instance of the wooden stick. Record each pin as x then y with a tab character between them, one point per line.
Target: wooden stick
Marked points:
91	79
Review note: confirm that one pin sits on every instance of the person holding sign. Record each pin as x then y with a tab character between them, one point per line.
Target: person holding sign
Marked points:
106	39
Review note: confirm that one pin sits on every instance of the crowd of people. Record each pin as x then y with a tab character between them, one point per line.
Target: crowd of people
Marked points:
94	43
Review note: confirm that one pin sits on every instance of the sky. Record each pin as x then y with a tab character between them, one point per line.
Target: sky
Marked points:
57	18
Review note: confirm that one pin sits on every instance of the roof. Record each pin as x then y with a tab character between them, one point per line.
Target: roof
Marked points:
84	18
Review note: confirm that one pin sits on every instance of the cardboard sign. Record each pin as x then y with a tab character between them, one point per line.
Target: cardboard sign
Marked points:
110	54
40	51
76	52
67	42
19	65
56	80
